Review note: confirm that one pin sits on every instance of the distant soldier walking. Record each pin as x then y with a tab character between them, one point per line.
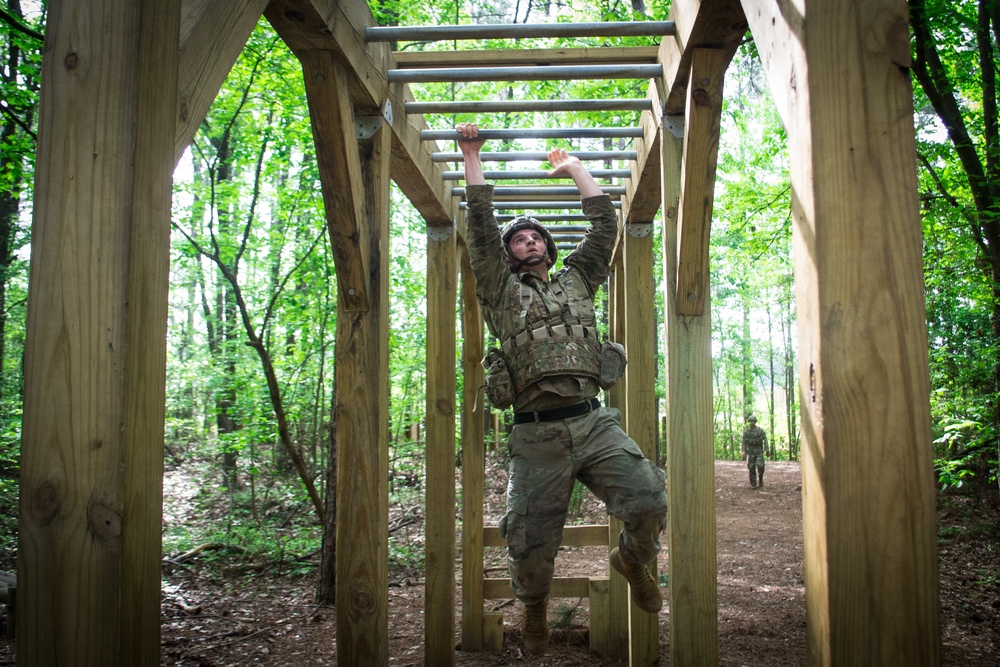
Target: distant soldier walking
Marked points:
754	444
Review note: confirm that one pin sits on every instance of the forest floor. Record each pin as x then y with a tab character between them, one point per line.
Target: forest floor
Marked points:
217	618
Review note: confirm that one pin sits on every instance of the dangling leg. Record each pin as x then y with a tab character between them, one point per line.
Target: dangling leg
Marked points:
541	481
632	487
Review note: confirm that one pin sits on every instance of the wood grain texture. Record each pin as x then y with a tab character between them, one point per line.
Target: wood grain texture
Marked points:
212	36
91	456
473	460
868	496
331	113
439	607
701	151
690	448
362	415
640	424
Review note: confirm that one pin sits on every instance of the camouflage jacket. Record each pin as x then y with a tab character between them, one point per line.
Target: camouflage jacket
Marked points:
754	440
547	330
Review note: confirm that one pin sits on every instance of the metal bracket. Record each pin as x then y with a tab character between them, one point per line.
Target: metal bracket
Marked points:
439	233
387	112
674	125
639	230
365	127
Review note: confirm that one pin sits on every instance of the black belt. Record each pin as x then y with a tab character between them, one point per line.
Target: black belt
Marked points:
557	413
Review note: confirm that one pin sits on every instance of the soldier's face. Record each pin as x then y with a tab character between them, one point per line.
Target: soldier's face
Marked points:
528	244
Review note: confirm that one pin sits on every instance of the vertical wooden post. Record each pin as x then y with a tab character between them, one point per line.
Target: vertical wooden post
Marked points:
439	607
473	462
688	171
618	594
640	424
362	362
868	494
92	446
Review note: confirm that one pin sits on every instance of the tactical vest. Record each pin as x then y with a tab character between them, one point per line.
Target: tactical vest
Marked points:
547	332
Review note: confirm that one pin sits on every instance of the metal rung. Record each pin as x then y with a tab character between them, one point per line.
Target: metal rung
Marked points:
524	175
520	30
553	217
536	205
538	133
555	73
536	156
515	106
614	190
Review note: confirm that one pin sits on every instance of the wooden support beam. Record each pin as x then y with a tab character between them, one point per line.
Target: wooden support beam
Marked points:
868	484
618	594
338	27
690	448
701	150
708	24
331	112
642	196
439	605
212	36
473	460
92	446
362	418
641	420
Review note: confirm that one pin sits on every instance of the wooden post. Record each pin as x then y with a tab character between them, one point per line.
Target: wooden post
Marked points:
439	606
618	595
690	163
640	424
868	487
473	462
355	169
95	359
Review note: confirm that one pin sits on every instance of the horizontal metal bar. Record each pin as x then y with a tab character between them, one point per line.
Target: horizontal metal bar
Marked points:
536	205
532	174
553	217
536	156
546	191
538	133
517	106
519	30
555	73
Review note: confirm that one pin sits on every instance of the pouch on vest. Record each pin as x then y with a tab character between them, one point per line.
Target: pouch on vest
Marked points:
613	362
499	385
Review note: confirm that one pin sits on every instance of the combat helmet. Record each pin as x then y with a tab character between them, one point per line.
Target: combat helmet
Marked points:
752	418
527	222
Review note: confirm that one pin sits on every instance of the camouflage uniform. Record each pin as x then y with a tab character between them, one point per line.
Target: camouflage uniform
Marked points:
754	442
547	333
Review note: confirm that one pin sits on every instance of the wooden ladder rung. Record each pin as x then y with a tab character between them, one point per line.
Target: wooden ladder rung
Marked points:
562	587
573	536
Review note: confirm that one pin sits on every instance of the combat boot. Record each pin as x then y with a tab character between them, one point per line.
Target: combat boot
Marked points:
535	627
760	479
645	592
753	479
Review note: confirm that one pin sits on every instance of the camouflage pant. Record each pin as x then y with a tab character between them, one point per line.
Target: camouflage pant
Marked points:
755	460
546	458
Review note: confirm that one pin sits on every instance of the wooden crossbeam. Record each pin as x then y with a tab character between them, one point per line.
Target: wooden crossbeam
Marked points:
701	149
331	112
212	36
339	27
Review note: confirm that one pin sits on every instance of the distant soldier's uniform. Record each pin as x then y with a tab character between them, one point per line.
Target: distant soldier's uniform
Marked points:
754	444
549	344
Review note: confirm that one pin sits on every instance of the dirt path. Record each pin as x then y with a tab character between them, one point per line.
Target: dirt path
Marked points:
240	620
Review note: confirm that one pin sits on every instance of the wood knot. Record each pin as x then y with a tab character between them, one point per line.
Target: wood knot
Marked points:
72	60
105	522
45	503
701	98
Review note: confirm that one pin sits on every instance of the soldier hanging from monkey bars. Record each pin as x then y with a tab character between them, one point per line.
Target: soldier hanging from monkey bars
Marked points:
550	367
